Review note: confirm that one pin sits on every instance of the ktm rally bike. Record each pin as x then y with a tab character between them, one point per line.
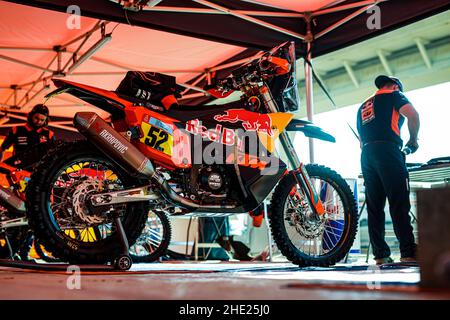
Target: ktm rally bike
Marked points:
16	238
205	160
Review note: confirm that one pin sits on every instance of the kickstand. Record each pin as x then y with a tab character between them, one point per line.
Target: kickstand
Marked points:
123	261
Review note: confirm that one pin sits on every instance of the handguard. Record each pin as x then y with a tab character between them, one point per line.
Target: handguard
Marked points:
309	130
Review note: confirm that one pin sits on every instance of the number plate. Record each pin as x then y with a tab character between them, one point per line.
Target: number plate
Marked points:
157	135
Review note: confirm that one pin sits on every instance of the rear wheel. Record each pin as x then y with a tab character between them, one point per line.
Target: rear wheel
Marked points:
58	206
301	236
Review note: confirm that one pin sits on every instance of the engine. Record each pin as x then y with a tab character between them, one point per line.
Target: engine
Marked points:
211	180
206	184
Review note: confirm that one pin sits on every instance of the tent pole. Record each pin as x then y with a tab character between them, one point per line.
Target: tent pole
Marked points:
194	95
212	11
345	20
14	87
309	86
50	124
346	7
10	59
250	19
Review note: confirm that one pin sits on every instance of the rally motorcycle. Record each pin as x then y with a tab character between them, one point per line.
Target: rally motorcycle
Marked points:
205	160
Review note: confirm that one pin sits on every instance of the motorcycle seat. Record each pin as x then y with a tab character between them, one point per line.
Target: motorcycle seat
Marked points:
185	113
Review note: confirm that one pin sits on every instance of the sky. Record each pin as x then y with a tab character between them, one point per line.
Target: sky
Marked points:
433	105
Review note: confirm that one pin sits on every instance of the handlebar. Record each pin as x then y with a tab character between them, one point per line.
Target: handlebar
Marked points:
263	67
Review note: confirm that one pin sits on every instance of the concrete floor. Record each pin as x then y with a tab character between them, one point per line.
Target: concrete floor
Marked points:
218	281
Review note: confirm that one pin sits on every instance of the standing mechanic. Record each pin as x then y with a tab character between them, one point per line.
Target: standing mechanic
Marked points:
383	165
24	137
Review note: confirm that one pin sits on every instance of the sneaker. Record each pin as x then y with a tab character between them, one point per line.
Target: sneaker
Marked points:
408	260
381	261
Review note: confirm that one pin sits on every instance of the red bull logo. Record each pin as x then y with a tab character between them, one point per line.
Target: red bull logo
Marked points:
251	121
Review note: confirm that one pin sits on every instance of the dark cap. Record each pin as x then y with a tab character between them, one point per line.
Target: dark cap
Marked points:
381	80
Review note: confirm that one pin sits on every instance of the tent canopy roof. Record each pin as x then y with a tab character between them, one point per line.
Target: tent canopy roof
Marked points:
258	24
174	36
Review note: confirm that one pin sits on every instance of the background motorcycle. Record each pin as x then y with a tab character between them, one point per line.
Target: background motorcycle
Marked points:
147	159
15	234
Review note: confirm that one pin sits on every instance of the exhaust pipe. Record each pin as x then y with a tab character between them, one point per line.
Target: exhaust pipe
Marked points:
113	144
126	155
11	202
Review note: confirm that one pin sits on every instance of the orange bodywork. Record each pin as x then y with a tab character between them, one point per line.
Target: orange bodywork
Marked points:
281	66
17	177
176	151
164	143
179	155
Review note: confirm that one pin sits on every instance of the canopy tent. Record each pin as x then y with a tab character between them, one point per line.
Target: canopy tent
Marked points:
258	24
175	36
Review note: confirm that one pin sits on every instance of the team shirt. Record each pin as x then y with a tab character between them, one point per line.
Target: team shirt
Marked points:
379	117
24	137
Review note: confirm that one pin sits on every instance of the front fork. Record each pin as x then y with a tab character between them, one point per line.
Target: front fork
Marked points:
301	175
302	178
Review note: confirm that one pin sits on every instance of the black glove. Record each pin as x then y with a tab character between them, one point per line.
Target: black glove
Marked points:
412	145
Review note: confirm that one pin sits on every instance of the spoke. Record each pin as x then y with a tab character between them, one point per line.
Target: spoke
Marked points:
57	205
148	247
156	235
335	235
331	241
339	221
54	195
333	228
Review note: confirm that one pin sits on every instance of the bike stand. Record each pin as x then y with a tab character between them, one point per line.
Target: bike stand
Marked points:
122	262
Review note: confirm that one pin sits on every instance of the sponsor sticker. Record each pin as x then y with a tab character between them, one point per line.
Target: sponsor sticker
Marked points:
367	112
157	135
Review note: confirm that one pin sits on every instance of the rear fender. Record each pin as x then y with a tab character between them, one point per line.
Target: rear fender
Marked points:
103	99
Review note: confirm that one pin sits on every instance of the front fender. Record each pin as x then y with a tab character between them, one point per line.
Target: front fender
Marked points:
309	130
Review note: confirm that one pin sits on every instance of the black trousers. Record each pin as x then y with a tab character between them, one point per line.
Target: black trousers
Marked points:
385	176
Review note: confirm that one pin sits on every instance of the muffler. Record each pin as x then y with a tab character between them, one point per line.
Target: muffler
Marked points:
123	153
11	202
113	144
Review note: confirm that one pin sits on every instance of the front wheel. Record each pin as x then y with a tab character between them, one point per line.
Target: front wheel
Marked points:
304	238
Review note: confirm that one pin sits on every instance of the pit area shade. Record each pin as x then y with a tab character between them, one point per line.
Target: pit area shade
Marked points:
183	38
259	24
